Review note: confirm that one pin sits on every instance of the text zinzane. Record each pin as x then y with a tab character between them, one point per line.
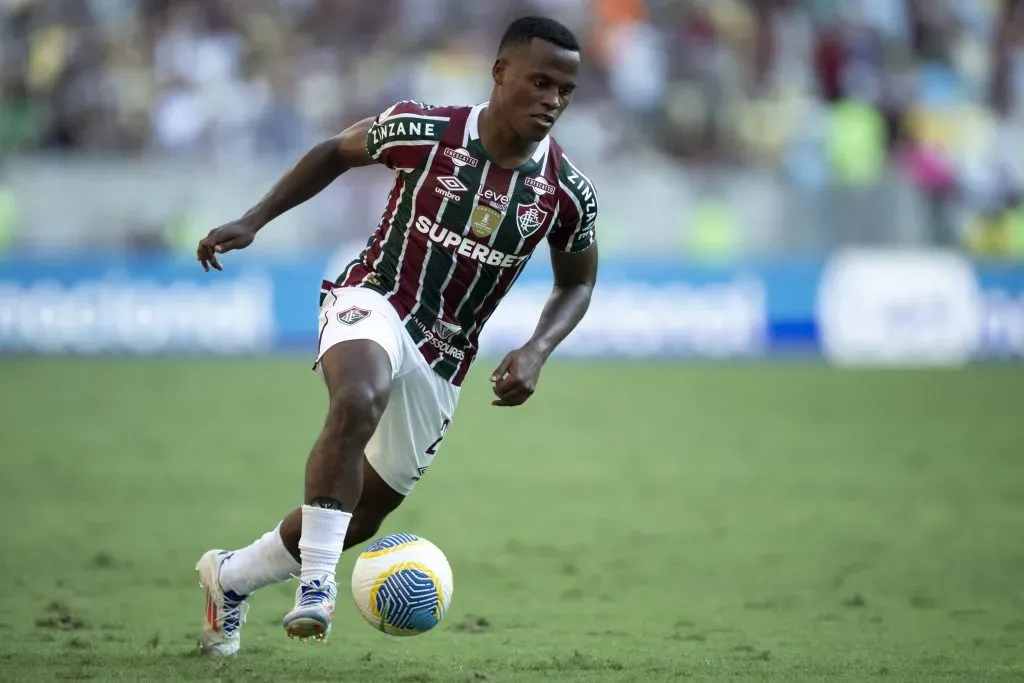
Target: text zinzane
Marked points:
403	129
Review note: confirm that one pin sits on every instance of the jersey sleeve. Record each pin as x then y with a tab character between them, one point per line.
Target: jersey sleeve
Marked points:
402	136
574	229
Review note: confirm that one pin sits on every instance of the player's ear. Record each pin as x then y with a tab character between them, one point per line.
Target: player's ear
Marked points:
498	71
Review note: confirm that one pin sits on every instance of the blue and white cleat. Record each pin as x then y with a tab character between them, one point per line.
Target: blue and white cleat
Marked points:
313	611
225	611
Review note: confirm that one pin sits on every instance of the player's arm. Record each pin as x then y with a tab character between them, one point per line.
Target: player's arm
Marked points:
317	169
574	265
575	275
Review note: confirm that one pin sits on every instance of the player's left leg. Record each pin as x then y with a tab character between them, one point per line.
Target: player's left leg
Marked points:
360	354
407	439
230	577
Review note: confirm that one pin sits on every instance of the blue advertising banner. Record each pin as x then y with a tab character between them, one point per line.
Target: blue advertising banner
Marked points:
858	306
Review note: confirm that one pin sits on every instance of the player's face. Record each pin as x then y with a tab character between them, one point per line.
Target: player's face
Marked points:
535	84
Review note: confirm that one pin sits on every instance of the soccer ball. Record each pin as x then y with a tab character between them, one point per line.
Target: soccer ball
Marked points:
402	585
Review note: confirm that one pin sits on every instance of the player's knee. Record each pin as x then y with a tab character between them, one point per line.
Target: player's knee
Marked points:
355	410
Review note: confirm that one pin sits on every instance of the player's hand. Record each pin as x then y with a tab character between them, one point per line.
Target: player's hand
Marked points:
515	379
228	237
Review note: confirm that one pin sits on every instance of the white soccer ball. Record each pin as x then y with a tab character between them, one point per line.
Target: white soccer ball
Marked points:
402	585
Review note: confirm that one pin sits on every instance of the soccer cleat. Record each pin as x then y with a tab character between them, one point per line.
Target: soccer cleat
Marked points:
225	610
314	608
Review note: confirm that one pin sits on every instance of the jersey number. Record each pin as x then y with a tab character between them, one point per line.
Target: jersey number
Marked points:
432	449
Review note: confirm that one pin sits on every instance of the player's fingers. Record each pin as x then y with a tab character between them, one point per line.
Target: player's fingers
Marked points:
203	256
214	262
511	400
502	369
205	251
511	388
507	385
521	396
231	245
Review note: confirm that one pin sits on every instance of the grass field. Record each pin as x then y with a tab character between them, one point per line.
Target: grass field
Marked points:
633	522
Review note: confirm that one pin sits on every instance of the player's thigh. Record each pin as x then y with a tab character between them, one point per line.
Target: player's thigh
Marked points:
412	429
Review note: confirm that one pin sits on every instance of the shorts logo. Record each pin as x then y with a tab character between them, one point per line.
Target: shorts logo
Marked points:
484	221
529	218
451	188
420	471
350	316
438	343
540	186
461	157
445	330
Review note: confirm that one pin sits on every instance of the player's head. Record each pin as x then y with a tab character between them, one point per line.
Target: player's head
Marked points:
534	75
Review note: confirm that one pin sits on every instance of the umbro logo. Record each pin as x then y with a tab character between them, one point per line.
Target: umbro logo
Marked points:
450	187
451	183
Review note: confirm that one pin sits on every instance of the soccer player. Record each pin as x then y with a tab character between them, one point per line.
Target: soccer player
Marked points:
476	191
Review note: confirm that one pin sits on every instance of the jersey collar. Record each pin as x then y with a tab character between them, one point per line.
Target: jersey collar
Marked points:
532	165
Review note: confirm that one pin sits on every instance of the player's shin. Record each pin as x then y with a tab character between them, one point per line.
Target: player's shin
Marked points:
333	486
334	471
264	562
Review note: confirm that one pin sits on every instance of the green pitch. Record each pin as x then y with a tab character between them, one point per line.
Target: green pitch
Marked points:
632	522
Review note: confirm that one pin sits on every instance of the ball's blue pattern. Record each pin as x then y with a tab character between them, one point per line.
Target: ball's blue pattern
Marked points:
408	599
391	541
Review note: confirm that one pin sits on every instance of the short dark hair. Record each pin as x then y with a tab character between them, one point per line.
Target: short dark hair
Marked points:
523	30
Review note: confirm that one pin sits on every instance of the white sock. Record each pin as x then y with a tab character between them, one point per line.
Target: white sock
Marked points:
259	564
323	536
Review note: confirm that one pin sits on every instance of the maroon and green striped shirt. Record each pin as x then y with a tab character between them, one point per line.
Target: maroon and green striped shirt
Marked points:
457	229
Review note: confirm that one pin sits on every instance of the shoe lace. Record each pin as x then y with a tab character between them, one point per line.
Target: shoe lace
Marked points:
313	593
233	615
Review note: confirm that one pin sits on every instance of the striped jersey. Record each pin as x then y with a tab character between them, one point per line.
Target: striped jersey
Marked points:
457	229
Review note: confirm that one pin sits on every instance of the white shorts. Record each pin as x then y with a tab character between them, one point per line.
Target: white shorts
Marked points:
422	403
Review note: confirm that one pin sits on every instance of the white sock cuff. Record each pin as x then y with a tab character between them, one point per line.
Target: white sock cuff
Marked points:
323	528
263	562
323	537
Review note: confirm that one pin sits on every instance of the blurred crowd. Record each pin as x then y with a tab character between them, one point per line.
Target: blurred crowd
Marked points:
819	92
